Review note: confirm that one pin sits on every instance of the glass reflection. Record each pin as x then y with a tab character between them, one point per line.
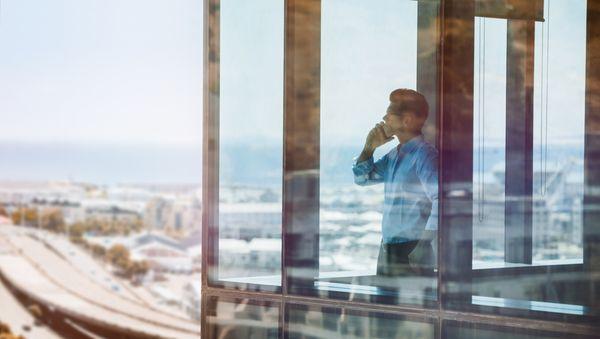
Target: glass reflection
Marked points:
250	159
304	322
467	330
241	319
378	207
529	161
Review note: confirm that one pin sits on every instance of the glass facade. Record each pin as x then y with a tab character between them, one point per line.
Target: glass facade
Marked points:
250	154
473	215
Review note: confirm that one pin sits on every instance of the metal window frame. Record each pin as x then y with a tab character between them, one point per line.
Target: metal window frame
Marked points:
455	88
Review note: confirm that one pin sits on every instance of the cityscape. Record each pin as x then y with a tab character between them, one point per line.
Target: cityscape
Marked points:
140	244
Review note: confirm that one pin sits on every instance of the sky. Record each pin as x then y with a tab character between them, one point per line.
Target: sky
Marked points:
109	71
130	71
114	70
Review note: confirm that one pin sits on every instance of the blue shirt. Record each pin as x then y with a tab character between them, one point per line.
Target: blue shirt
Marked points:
409	173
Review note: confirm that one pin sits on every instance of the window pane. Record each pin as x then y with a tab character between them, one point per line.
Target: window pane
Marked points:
559	115
528	162
242	318
329	322
489	139
251	134
370	49
468	330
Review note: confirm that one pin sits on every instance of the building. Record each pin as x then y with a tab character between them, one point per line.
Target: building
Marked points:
515	126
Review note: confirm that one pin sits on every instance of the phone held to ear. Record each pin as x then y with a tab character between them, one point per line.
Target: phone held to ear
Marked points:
387	130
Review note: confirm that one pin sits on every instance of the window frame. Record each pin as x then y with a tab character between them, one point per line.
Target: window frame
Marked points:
454	116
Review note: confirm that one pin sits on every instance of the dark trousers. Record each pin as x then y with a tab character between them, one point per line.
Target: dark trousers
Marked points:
393	260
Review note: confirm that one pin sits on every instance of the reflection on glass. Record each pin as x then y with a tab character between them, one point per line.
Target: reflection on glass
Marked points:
489	138
528	154
241	319
559	115
324	323
467	330
373	216
250	167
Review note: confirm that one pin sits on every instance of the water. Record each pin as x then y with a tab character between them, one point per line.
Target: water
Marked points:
172	164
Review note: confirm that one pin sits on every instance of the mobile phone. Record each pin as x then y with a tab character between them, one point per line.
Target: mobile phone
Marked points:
386	130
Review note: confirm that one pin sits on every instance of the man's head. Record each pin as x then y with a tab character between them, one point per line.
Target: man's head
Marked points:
406	113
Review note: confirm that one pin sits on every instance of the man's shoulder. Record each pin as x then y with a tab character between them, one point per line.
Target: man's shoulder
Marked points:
427	149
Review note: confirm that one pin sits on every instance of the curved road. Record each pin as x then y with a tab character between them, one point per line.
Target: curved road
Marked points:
32	266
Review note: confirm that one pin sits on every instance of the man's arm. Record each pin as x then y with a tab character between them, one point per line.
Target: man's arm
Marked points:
367	172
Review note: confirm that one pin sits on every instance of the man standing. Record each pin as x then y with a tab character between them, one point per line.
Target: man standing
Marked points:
410	176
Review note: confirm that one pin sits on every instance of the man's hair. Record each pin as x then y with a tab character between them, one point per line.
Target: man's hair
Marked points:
404	99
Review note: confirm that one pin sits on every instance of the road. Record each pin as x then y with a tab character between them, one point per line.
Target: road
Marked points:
37	268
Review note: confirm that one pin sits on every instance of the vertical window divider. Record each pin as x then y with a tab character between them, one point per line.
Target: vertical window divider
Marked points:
302	60
210	151
519	141
210	142
456	153
591	198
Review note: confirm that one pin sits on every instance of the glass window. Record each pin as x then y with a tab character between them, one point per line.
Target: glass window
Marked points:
558	136
329	322
529	121
241	318
489	140
468	330
251	134
375	208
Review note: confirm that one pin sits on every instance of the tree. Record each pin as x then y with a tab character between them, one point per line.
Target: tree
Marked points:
25	216
137	268
54	221
4	328
98	250
118	255
6	332
76	230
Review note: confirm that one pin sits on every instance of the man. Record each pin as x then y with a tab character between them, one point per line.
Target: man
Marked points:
410	177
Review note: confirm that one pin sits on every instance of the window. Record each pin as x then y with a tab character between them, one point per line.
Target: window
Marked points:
351	103
250	152
516	236
529	117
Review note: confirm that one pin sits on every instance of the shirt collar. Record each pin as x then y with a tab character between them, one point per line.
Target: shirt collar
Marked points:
411	144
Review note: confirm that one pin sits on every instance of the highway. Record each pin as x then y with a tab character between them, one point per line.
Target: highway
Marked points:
38	269
14	314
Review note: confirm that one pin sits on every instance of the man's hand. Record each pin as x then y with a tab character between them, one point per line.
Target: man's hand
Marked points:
375	138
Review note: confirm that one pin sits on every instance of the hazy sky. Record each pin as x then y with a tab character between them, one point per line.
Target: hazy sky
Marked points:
101	70
131	70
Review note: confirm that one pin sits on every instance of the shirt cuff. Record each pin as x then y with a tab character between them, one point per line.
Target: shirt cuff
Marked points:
362	167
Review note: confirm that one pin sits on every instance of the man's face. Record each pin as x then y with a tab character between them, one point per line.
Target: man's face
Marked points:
394	121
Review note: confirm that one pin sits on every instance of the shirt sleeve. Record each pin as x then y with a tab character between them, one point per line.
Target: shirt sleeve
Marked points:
368	172
427	171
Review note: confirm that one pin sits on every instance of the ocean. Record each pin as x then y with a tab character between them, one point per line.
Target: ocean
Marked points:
241	164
